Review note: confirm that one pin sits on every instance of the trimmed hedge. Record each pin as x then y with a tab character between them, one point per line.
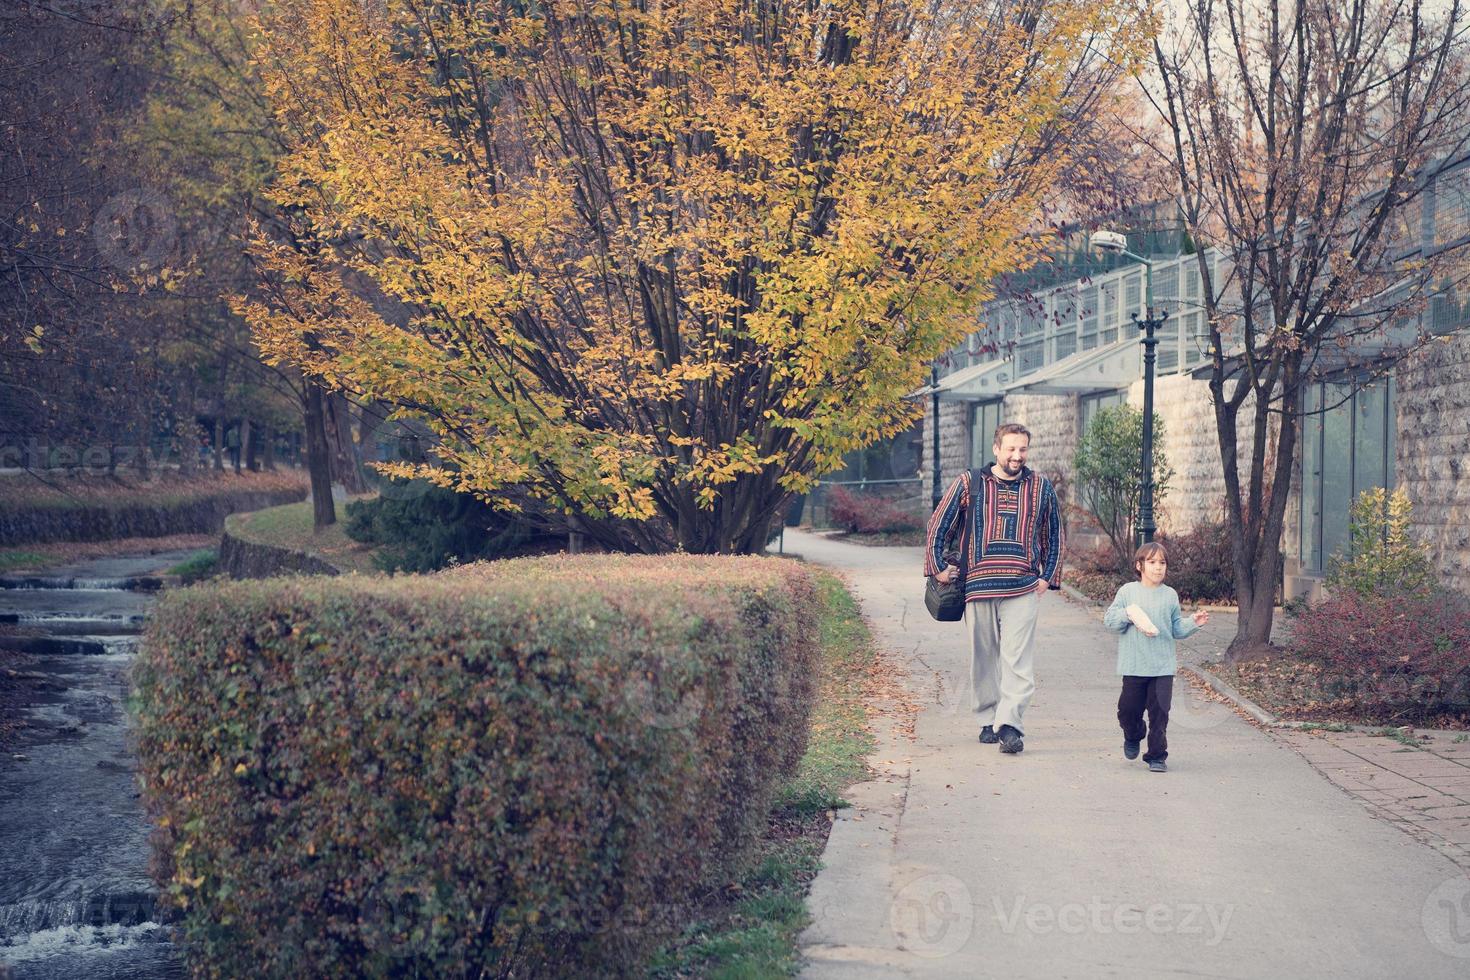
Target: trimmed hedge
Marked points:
516	768
184	511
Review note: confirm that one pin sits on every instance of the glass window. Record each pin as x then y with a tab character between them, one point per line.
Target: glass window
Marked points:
984	419
1451	221
1337	467
1087	308
1090	405
1347	447
1310	552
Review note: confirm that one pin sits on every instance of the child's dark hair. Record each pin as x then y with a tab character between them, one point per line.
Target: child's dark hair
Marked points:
1146	551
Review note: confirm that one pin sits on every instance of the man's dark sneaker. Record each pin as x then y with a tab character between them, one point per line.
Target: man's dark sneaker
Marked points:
1010	740
1130	749
988	736
1157	766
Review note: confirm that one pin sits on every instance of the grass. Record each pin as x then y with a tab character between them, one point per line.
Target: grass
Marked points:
12	559
201	564
1401	736
290	527
749	932
1330	726
53	553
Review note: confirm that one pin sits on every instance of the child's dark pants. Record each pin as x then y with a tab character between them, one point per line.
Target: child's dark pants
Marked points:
1156	694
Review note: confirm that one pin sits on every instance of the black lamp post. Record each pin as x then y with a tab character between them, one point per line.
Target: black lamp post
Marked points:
1109	241
1148	325
934	393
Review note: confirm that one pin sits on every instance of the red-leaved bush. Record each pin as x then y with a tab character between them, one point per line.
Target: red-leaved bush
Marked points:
1395	657
869	513
1201	563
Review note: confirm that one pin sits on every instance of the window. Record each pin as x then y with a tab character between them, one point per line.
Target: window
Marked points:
1063	321
1090	405
1088	309
1347	447
984	419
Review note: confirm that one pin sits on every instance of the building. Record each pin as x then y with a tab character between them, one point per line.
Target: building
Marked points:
1052	354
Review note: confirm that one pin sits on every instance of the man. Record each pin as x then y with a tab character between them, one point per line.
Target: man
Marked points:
1010	524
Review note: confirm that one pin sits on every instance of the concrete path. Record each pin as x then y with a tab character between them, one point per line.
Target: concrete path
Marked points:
1068	861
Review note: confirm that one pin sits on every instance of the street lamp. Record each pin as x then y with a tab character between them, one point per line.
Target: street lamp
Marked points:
934	393
1114	243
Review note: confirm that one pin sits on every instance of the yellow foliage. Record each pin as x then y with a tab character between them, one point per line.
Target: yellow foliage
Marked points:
644	260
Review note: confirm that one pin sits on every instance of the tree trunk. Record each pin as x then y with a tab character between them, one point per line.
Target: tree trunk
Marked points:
249	439
319	460
346	461
1260	516
186	431
367	430
268	446
219	444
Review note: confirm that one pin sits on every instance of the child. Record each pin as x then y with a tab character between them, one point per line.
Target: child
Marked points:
1146	657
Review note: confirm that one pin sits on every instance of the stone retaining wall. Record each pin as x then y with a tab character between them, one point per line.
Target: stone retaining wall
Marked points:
247	559
1432	459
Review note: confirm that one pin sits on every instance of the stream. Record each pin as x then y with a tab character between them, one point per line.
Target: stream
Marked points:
76	900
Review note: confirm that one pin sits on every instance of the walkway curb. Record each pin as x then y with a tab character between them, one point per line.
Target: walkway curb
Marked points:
1242	702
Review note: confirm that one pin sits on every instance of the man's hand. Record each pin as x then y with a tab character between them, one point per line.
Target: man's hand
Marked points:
1042	586
947	576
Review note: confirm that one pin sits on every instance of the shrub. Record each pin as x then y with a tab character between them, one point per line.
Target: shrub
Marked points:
428	530
1385	557
1202	563
1404	657
1105	473
869	513
516	768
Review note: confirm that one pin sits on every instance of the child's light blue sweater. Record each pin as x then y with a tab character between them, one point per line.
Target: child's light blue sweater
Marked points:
1148	656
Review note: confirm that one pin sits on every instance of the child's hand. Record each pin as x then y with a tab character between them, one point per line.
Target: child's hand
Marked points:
1201	618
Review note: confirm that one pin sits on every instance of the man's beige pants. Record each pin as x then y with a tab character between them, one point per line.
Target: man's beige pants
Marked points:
1002	677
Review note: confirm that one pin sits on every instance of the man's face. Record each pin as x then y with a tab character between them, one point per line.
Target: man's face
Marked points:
1010	453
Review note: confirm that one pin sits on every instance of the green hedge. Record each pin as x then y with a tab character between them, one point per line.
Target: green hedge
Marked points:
516	768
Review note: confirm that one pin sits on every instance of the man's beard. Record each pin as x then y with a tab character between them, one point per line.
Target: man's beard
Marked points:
1007	469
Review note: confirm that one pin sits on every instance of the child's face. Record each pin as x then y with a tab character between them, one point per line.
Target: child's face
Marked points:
1152	569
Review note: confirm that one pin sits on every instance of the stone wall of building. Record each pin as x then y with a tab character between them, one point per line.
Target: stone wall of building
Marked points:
1052	420
1432	460
1197	491
954	443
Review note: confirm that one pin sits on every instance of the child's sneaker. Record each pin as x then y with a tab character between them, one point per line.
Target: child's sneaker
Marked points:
1130	749
988	736
1157	766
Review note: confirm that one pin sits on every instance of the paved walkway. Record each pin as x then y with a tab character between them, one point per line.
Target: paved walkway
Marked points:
1242	861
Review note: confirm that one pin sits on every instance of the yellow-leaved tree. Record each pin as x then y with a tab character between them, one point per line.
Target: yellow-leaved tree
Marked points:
659	264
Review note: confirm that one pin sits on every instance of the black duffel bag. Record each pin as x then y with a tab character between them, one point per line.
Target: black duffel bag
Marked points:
946	600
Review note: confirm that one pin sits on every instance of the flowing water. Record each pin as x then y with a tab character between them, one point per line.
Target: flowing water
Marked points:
76	900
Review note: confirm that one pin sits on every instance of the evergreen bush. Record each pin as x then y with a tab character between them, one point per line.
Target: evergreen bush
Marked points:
434	527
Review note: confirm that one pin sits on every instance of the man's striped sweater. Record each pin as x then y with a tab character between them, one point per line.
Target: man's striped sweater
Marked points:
1013	536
